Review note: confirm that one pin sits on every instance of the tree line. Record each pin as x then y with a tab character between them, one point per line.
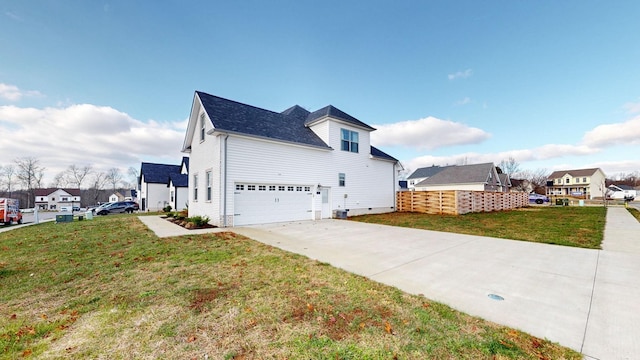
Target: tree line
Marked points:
26	174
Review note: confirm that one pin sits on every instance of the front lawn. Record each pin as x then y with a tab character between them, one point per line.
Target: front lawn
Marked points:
568	225
109	288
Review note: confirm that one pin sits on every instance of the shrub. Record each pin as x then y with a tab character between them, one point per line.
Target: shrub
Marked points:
167	208
199	220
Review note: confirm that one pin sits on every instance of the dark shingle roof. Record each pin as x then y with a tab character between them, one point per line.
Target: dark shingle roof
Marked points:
336	114
231	116
48	191
375	152
573	173
425	172
185	161
158	173
179	180
463	174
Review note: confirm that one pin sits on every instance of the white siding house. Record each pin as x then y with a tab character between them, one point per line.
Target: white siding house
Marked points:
475	177
249	165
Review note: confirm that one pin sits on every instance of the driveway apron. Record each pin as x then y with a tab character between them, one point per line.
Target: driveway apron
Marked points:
583	299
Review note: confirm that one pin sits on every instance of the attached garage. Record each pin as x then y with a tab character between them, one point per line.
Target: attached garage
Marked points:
267	203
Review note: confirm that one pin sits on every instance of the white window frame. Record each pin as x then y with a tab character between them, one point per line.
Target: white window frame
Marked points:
349	140
195	187
209	178
202	127
342	179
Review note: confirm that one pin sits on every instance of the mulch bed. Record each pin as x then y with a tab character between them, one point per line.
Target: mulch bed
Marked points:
189	225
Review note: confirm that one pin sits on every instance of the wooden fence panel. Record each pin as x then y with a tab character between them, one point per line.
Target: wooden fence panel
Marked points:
458	202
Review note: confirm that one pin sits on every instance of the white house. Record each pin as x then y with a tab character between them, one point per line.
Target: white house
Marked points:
249	165
587	183
422	174
57	199
179	187
476	177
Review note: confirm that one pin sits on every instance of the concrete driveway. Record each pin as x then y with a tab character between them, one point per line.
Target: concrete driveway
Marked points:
584	299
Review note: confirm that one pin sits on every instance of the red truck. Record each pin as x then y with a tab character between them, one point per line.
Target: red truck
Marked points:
10	211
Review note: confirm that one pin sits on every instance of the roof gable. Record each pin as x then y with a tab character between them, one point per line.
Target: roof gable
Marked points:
158	173
234	117
335	113
49	191
179	180
573	173
462	174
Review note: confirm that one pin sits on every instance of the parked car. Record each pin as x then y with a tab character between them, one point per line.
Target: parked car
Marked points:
117	208
537	198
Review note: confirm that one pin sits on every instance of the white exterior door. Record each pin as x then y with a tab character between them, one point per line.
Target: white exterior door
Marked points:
326	203
267	203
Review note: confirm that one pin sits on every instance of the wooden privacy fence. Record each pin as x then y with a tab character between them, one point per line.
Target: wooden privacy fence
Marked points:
458	202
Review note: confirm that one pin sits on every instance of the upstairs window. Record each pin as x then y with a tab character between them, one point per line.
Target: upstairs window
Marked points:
202	127
349	140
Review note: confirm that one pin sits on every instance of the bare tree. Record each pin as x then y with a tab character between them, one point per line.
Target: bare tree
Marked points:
77	174
134	175
114	177
8	177
509	166
60	180
98	182
29	174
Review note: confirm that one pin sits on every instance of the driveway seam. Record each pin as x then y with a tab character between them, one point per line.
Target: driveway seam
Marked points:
593	288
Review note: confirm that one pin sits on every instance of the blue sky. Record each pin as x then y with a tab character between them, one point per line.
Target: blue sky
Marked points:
553	84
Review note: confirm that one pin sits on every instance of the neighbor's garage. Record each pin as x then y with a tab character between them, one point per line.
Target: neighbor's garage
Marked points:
267	203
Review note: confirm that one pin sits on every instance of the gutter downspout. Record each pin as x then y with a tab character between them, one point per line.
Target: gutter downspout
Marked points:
224	191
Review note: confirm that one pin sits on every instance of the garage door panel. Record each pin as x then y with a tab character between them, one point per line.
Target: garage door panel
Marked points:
258	207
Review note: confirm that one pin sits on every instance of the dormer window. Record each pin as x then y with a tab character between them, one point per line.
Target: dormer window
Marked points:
349	140
202	127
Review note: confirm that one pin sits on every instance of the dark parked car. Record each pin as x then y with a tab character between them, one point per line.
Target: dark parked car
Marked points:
537	198
118	207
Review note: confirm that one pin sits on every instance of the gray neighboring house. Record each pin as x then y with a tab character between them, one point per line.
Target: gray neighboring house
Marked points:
476	177
505	181
422	174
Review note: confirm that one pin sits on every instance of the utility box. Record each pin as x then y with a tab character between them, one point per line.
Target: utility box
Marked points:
64	218
341	214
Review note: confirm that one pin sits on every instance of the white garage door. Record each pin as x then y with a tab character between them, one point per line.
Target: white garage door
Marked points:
267	203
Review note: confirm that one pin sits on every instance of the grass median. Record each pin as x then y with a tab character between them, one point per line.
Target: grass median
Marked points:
109	288
561	225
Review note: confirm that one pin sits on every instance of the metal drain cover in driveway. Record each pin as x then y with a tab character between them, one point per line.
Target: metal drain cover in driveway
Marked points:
495	297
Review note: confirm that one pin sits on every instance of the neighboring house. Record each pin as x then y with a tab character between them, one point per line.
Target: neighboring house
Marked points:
116	197
57	199
249	165
521	185
475	177
154	185
505	182
179	187
621	192
587	183
422	174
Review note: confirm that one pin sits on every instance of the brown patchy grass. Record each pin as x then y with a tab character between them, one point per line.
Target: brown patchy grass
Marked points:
635	212
569	226
109	288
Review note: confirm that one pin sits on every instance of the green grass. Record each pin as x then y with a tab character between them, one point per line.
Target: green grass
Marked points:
108	288
569	226
635	212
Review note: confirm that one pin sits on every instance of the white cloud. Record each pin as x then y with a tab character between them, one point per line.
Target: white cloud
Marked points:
86	134
632	107
627	132
428	133
13	93
14	16
460	74
464	101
